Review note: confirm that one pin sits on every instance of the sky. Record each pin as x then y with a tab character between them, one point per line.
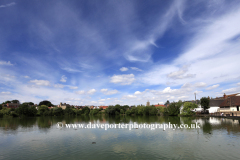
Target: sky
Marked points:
91	52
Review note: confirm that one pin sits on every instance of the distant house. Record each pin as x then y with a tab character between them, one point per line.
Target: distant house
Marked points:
63	106
103	107
214	105
159	105
12	105
232	103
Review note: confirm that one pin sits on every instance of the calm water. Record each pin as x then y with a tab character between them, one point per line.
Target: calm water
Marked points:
39	138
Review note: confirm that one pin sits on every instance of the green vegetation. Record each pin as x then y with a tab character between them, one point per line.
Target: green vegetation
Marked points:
46	103
205	103
139	110
174	108
187	108
28	109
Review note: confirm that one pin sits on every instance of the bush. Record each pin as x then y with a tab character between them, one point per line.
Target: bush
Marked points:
187	108
173	109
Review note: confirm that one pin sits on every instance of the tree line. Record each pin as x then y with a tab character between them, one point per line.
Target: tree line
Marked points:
28	109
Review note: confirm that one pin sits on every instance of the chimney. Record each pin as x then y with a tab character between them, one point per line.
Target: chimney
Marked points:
224	96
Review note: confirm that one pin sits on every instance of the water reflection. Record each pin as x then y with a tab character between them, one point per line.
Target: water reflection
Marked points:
44	123
39	138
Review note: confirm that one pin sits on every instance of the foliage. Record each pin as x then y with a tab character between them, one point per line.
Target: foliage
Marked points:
139	110
167	103
57	111
25	110
29	103
86	110
15	101
173	109
205	103
46	103
187	108
5	111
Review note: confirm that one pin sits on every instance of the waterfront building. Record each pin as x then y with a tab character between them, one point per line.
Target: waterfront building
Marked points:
64	105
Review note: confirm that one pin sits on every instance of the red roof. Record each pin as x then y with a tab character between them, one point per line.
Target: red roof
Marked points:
159	105
231	101
103	107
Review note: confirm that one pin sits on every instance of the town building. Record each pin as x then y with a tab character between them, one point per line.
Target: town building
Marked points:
148	103
64	105
159	105
12	105
214	105
103	107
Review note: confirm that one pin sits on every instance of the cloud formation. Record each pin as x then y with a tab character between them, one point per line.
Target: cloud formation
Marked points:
123	69
63	78
6	63
124	79
109	92
212	87
40	82
8	5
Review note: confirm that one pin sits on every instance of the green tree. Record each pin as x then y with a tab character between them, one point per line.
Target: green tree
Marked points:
7	102
43	110
32	111
29	103
173	109
46	103
22	110
15	101
86	110
205	103
188	107
57	111
121	111
128	112
167	103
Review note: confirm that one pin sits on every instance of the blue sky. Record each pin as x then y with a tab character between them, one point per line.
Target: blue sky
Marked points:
118	52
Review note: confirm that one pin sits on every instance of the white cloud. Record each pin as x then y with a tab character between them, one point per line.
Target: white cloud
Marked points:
58	86
7	5
197	92
136	69
107	92
63	78
71	70
180	74
5	93
26	76
130	96
123	69
124	79
91	91
73	87
80	92
40	82
231	90
101	100
137	93
182	97
213	42
212	87
94	102
104	90
200	84
6	63
73	99
238	83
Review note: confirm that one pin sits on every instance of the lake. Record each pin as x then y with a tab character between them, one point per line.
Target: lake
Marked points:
40	138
